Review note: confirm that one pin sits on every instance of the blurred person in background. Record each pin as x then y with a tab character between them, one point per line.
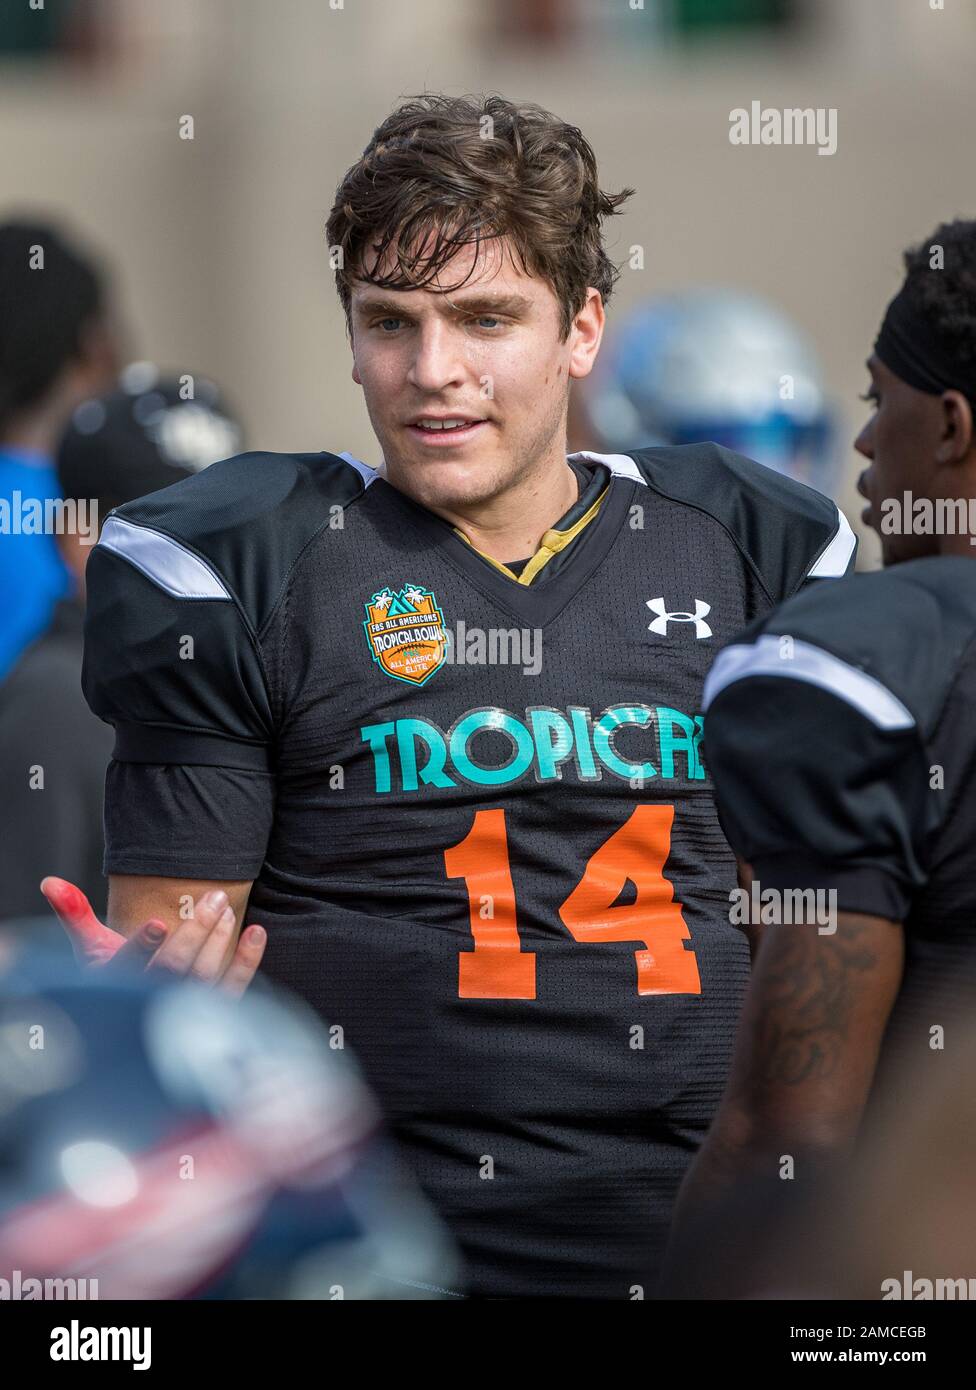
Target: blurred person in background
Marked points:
841	736
140	437
58	345
712	364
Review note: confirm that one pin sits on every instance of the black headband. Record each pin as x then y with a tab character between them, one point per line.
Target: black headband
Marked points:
911	347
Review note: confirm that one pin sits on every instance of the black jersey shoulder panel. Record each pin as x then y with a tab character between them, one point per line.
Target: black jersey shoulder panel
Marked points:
250	517
815	783
781	526
907	626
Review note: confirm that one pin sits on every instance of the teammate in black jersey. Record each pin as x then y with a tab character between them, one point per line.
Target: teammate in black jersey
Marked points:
841	735
436	724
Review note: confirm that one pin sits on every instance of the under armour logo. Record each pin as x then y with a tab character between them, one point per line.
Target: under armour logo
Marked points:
660	623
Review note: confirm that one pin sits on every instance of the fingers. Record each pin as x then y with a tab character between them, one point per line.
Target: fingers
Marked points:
187	939
140	948
210	962
197	946
247	958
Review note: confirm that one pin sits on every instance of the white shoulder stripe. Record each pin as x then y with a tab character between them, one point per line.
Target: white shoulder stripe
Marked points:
815	666
835	559
167	563
368	475
620	465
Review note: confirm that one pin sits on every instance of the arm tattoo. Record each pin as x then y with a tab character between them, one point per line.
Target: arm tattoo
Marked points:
809	986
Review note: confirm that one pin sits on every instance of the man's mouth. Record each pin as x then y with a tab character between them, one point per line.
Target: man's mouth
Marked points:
440	430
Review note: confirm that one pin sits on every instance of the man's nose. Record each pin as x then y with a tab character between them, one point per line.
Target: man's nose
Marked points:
437	362
864	443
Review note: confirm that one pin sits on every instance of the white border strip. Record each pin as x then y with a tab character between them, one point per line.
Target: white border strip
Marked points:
368	475
813	665
835	559
167	563
621	465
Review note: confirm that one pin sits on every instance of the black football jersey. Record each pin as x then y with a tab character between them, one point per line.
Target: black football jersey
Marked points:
841	737
473	804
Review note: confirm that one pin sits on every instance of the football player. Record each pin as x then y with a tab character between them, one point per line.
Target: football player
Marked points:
842	742
436	723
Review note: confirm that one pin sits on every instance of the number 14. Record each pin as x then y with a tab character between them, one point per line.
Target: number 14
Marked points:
498	968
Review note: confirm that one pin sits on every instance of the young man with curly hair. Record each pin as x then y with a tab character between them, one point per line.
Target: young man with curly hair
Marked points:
435	723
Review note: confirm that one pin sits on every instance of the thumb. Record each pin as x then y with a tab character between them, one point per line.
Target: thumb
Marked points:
74	912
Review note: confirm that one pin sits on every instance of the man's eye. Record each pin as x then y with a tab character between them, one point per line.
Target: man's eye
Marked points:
384	324
487	321
871	396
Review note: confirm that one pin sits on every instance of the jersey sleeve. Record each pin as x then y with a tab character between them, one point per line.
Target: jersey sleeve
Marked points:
171	663
181	587
819	775
819	728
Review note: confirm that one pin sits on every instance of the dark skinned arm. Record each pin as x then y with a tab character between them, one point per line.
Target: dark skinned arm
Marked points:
804	1061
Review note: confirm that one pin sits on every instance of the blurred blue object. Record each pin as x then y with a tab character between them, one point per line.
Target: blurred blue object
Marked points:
32	574
715	365
160	1140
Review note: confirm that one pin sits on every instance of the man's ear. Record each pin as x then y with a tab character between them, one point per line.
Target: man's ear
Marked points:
588	327
957	428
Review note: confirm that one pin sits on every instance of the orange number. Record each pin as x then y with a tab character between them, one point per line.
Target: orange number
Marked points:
498	968
638	851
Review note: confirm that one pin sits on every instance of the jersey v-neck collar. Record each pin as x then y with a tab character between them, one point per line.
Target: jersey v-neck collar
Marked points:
571	550
590	494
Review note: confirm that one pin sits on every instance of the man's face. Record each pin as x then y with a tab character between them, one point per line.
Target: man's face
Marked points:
901	440
488	354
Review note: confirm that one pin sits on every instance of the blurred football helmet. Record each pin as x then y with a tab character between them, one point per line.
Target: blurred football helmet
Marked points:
713	365
170	1142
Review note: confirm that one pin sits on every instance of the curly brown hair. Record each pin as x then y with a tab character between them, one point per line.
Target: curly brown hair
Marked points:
473	169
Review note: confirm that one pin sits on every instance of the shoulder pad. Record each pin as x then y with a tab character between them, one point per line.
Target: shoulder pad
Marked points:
236	529
890	643
786	531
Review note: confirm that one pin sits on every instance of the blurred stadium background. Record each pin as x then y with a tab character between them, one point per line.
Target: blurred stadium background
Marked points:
216	252
217	246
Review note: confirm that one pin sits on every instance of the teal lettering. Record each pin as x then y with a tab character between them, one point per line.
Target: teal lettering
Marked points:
411	731
376	736
668	720
605	728
580	716
553	741
505	723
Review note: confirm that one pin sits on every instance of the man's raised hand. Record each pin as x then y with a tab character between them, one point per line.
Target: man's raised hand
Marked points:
195	947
